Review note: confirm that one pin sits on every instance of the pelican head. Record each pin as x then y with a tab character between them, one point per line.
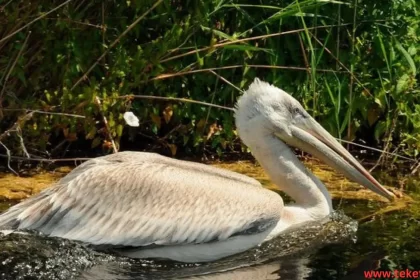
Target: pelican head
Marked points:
267	111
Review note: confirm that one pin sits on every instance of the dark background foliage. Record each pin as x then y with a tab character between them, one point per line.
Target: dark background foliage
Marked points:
353	64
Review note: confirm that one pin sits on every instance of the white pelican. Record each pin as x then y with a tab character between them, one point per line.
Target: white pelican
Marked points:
150	206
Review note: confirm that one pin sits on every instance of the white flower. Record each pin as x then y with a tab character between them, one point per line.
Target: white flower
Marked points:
131	119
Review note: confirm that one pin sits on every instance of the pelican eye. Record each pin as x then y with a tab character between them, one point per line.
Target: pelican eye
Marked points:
298	112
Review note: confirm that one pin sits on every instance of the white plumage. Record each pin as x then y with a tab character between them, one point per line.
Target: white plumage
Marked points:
166	208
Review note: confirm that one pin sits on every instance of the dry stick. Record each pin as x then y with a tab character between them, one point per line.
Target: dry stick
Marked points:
305	58
226	81
171	99
14	64
17	124
5	5
98	103
22	143
375	149
417	166
295	68
181	45
245	40
45	159
8	158
115	43
46	113
171	75
77	22
35	20
342	65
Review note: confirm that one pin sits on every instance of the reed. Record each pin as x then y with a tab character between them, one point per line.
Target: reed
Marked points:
353	64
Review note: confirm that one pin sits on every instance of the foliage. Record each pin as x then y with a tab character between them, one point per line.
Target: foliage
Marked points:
358	70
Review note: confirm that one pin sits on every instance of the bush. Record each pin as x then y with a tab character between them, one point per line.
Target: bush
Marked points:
353	66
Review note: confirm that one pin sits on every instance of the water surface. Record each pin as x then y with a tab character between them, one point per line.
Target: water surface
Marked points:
374	234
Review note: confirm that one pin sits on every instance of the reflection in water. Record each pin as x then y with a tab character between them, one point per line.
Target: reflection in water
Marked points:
371	262
285	257
287	268
36	256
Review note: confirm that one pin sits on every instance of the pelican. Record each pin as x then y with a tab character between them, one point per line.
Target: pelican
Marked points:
149	206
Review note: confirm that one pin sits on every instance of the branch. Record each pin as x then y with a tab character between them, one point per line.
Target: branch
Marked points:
16	125
44	159
8	159
35	20
173	99
171	75
46	113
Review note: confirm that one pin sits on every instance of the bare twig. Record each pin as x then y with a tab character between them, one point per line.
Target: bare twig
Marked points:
376	150
226	81
46	112
113	44
16	125
76	22
8	158
415	168
305	58
98	103
44	159
172	75
14	64
22	144
35	20
5	5
173	99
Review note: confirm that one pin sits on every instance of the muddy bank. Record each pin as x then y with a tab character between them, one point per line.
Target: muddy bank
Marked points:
14	189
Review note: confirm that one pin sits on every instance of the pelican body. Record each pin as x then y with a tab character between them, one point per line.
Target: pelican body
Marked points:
149	206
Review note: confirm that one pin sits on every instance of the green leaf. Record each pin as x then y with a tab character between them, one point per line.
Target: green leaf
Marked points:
407	57
402	83
219	33
119	130
380	129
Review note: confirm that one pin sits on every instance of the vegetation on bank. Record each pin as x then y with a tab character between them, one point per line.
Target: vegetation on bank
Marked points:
67	67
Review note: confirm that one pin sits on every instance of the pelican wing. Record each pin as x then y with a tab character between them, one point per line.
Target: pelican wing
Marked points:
138	199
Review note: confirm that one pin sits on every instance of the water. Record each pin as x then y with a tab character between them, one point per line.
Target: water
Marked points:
378	235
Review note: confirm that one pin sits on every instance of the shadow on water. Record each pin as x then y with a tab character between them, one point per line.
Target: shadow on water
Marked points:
385	241
259	263
40	257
